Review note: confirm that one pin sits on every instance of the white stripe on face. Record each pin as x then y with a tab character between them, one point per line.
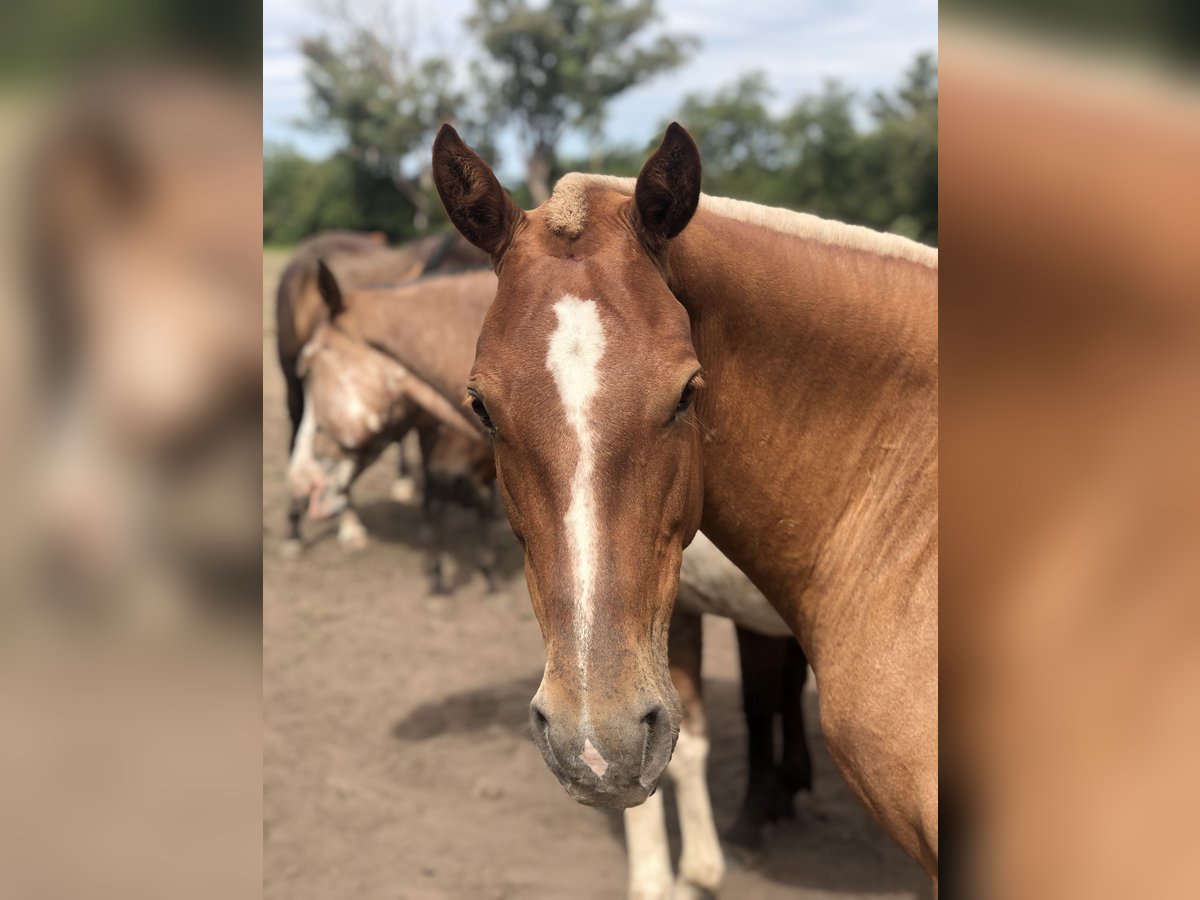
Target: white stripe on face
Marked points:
576	347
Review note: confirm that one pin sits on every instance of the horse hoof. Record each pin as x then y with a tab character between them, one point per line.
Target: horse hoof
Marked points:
353	537
291	549
686	890
403	490
783	808
747	857
746	844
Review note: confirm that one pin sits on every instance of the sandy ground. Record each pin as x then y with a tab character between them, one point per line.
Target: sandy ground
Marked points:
397	761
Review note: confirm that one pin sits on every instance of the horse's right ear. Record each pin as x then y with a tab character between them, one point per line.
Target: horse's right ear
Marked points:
476	203
331	293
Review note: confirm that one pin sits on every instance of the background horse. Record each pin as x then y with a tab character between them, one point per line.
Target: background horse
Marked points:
360	259
359	400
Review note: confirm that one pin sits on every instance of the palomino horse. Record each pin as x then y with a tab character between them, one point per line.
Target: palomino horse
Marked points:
350	414
360	259
806	447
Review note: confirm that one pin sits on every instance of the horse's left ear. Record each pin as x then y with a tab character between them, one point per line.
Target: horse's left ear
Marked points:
668	187
331	291
478	206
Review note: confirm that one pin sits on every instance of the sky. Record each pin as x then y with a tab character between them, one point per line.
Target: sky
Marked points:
866	44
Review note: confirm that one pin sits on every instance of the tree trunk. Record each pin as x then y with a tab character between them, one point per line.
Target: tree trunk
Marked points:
537	172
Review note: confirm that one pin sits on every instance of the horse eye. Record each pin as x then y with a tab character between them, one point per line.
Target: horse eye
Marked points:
480	410
686	398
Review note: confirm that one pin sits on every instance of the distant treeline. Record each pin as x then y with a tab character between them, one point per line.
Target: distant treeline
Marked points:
865	160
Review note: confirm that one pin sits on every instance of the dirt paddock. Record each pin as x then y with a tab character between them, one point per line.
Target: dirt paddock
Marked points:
397	761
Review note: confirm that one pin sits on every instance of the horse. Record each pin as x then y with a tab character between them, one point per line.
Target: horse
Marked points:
360	258
657	361
351	414
358	400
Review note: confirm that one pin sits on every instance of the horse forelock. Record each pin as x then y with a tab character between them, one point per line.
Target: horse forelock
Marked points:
566	212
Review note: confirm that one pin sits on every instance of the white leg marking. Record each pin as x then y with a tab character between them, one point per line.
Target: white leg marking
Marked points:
576	347
352	534
403	489
701	864
302	466
647	851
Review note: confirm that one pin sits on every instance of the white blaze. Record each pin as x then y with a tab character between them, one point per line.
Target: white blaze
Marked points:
576	347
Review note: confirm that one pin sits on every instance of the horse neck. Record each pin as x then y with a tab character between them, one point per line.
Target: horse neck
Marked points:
430	328
820	415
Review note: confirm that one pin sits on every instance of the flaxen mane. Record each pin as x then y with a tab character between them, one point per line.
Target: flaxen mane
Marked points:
566	215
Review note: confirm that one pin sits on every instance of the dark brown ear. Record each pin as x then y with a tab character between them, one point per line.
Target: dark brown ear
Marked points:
668	187
331	293
476	203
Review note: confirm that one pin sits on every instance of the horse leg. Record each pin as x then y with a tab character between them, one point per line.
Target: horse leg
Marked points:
293	546
647	851
487	539
434	527
433	509
352	534
701	863
795	769
404	488
762	661
295	400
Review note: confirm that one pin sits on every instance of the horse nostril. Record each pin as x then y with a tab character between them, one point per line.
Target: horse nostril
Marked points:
657	743
539	718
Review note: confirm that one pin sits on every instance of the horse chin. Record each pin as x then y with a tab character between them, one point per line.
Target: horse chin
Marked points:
634	795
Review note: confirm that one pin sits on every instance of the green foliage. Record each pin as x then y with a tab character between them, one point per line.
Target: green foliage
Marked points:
386	110
365	86
819	158
555	66
302	196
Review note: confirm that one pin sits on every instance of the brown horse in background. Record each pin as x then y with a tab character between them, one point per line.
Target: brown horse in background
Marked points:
360	259
365	372
657	361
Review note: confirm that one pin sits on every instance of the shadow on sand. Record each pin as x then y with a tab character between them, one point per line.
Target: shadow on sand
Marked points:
831	845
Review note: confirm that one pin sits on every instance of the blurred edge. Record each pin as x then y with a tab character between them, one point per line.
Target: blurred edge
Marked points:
1070	325
130	450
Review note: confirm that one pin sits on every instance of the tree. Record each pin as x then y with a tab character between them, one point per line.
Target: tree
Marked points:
905	140
824	156
301	195
555	67
365	83
739	139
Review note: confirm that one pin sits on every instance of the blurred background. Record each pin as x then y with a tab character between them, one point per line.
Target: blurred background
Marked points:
130	433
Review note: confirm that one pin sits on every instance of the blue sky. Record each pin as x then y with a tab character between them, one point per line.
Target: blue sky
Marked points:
798	43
